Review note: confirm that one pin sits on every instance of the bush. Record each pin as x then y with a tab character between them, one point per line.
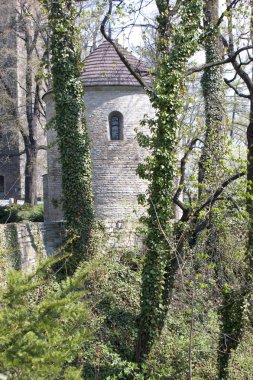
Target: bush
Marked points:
43	325
21	213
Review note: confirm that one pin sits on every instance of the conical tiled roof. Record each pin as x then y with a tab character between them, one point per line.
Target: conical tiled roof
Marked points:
103	67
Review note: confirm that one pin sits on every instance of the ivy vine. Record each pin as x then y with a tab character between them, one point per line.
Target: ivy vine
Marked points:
159	265
70	125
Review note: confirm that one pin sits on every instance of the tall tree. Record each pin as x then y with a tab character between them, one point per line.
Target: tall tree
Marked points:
177	43
213	92
27	33
162	256
232	308
30	31
211	171
70	125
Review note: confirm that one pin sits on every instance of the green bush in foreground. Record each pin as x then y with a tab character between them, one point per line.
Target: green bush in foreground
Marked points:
43	326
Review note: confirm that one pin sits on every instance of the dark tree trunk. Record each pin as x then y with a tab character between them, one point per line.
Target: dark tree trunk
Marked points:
31	175
30	138
31	32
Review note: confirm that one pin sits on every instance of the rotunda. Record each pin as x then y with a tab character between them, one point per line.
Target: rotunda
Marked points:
115	104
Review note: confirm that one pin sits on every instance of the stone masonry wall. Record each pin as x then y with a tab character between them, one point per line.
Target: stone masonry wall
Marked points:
24	245
115	183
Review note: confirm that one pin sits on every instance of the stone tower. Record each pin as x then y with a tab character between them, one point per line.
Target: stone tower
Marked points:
115	104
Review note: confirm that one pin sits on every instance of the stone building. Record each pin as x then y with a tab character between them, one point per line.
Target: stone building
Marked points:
115	104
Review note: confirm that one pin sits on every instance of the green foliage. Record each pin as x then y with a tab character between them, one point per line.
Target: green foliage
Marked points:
191	327
55	318
24	213
241	364
115	288
70	125
43	325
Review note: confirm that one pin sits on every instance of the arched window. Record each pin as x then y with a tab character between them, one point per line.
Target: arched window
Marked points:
116	126
1	184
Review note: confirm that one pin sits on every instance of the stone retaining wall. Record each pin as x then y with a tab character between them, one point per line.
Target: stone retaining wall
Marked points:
23	245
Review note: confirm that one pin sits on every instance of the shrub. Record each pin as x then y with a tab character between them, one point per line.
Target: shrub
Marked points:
21	213
43	325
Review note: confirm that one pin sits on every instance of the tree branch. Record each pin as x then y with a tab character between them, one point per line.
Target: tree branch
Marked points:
235	90
182	176
42	147
121	56
10	155
6	87
228	9
217	193
229	59
230	46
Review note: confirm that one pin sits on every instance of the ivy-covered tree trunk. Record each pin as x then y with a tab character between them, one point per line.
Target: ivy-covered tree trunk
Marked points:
211	172
160	265
250	165
213	92
72	137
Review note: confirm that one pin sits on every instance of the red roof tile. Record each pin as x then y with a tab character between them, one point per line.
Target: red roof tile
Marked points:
103	67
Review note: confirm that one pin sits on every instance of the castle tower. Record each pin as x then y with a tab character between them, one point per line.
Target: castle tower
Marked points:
115	104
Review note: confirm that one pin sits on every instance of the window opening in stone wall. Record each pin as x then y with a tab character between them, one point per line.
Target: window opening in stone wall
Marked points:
1	184
116	126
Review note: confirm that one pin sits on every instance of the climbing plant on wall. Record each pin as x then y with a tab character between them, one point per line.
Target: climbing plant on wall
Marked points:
70	125
160	262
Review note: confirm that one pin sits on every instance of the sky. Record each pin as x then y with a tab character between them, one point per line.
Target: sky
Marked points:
131	36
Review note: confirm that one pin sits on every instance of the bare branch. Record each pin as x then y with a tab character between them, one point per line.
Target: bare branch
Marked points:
229	7
217	193
10	155
235	90
233	79
42	147
230	46
120	54
6	87
229	59
182	176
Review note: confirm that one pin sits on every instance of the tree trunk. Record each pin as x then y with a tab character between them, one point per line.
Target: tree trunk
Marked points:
250	166
250	196
31	176
72	134
160	265
210	173
30	138
212	88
